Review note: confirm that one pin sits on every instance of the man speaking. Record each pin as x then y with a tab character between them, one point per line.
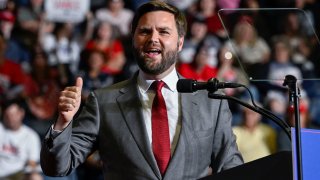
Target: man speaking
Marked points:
142	127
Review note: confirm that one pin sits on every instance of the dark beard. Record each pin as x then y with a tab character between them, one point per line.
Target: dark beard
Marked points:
168	59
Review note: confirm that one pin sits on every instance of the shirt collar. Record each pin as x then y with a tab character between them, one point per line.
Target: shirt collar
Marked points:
171	81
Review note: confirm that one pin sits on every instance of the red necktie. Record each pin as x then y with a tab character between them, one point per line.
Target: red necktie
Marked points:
160	128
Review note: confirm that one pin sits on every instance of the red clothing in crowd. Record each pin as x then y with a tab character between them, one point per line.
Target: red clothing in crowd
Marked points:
111	53
44	98
188	71
11	74
214	24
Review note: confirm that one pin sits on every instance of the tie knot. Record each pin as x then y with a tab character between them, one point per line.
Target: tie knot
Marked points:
157	85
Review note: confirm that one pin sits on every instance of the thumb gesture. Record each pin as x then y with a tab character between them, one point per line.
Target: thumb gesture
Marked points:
69	103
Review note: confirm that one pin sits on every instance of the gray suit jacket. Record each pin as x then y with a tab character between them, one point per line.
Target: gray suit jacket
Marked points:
112	122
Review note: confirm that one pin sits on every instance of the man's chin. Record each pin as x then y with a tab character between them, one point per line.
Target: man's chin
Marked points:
151	69
154	59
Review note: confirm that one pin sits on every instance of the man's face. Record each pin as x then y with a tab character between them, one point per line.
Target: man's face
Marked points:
13	117
251	118
156	42
199	30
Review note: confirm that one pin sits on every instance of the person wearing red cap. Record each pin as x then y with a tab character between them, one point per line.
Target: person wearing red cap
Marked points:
7	19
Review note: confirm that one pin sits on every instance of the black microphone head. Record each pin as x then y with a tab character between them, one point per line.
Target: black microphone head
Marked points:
185	85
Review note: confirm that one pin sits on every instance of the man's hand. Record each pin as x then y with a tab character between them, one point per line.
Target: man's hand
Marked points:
69	103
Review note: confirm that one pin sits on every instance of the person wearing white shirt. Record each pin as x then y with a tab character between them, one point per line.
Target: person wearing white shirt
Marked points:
116	15
19	144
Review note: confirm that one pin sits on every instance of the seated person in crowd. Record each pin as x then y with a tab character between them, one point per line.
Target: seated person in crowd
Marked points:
255	139
19	145
199	68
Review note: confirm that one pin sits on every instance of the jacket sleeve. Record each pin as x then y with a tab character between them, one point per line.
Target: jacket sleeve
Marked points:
226	154
63	152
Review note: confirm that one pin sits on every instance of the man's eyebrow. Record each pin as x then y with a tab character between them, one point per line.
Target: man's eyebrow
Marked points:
148	28
143	27
165	28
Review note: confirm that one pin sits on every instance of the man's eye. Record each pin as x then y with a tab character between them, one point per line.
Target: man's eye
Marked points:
164	32
143	31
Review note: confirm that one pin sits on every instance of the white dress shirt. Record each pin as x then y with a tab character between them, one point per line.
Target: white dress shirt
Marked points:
171	97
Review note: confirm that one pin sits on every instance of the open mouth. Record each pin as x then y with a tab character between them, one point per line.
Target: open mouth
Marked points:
152	52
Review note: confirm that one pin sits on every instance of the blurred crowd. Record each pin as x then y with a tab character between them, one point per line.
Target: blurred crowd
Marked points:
38	58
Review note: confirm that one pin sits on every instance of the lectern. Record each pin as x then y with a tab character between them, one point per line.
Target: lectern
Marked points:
277	166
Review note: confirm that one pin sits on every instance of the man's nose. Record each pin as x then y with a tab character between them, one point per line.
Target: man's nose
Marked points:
154	37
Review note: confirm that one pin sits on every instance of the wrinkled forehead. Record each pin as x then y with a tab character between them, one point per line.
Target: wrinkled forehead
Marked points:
161	18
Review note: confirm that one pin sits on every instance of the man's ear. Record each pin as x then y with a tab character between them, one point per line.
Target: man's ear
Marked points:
180	43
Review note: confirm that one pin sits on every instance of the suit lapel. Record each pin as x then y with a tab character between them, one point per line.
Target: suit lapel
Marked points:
130	106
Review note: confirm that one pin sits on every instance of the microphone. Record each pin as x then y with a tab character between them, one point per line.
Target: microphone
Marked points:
212	85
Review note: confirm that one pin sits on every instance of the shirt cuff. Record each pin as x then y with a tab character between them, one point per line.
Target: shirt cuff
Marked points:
54	132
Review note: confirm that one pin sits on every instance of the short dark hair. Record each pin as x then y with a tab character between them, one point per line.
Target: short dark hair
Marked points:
18	101
151	6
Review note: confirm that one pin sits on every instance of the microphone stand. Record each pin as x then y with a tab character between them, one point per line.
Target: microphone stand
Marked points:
257	109
212	86
294	95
